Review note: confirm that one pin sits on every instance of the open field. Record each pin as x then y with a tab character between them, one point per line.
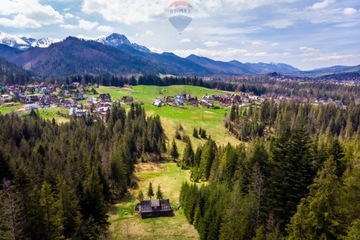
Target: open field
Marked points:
189	117
5	110
127	224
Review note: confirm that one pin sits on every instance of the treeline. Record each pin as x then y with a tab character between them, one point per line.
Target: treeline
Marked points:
57	180
12	74
320	120
297	183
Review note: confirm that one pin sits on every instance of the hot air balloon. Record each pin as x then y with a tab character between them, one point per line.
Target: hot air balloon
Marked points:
180	15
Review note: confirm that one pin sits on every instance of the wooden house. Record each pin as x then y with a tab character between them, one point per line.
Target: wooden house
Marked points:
155	208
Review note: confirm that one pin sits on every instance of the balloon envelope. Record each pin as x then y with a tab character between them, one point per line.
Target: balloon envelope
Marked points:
180	15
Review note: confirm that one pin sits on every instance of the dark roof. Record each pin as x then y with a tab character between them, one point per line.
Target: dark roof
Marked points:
157	207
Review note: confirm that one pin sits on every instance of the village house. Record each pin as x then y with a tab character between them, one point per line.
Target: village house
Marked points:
157	103
78	112
155	208
105	97
127	99
29	99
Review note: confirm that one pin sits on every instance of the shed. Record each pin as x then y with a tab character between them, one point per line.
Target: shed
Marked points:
155	208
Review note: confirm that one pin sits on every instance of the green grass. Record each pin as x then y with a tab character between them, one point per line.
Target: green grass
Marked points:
51	113
5	110
126	224
189	117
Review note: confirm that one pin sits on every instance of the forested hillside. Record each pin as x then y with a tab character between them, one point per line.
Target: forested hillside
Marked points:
57	180
297	178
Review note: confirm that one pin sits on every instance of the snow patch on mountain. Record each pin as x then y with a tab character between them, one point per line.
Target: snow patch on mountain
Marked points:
117	40
24	43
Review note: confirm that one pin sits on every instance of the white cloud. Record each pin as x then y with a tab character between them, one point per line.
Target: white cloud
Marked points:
350	11
19	21
145	34
212	44
103	28
321	5
87	25
185	40
28	14
328	58
228	54
305	49
280	24
136	11
83	25
257	43
68	15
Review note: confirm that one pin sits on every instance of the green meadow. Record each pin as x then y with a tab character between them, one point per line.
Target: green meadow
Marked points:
126	223
189	117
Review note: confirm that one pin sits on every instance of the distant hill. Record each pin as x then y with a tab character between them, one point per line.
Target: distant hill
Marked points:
116	55
330	70
11	73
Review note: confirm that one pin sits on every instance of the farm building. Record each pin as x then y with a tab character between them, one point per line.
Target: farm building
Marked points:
155	208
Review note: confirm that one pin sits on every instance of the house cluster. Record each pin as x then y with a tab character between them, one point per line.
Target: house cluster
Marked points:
226	100
34	97
100	106
177	101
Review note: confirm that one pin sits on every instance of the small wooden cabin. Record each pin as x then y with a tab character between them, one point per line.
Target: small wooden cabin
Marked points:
155	208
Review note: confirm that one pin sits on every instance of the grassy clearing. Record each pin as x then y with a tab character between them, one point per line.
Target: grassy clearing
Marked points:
189	117
126	224
5	110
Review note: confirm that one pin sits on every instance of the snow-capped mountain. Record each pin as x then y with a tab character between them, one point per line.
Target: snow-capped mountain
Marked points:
24	43
117	40
13	41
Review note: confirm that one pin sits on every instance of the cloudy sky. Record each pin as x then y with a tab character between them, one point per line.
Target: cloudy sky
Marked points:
304	33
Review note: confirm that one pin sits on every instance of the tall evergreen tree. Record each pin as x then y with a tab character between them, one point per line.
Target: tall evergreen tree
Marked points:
188	156
150	191
174	150
159	193
316	216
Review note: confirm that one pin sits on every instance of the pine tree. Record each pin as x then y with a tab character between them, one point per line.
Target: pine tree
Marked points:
188	156
195	133
140	196
150	191
174	151
70	208
203	134
159	193
316	217
52	217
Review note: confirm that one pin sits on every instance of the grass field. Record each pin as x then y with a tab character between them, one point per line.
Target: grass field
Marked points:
125	223
189	117
5	110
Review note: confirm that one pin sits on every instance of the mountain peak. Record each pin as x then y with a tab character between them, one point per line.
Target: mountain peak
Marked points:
117	40
24	43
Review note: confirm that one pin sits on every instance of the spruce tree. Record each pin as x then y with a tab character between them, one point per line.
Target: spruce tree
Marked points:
316	217
150	191
140	196
159	193
195	133
174	151
188	156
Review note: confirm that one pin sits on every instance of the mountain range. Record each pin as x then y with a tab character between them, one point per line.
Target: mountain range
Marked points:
115	54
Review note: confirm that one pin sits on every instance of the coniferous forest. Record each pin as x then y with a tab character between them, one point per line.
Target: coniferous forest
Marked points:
296	175
59	179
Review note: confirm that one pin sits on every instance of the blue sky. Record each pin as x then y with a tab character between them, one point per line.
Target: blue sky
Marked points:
307	34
